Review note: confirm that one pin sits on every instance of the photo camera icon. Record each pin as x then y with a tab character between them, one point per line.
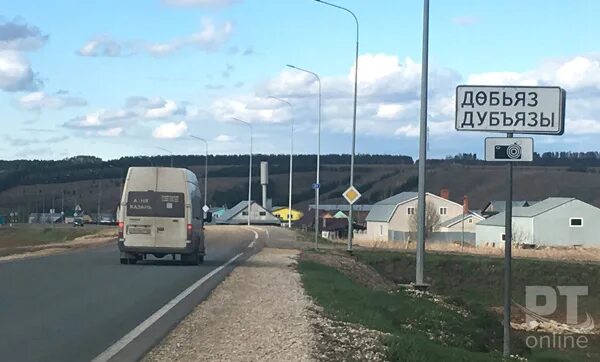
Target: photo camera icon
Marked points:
508	152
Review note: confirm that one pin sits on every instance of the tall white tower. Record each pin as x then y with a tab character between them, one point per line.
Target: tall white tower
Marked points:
264	181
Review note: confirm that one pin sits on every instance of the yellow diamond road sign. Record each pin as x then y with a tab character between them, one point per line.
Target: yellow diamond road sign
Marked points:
351	195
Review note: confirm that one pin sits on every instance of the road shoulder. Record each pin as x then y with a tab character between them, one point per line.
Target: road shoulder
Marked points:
259	313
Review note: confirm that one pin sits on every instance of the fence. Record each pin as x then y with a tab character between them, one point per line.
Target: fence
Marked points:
436	237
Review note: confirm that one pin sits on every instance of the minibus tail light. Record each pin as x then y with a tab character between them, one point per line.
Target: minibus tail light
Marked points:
121	228
189	231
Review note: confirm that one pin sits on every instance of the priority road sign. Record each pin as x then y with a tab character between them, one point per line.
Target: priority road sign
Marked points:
501	149
205	208
351	195
316	186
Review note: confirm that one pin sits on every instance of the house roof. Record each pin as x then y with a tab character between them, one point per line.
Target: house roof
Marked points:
500	206
383	210
230	213
241	206
529	211
459	218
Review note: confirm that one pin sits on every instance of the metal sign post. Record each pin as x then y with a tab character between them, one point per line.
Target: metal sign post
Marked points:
510	109
508	257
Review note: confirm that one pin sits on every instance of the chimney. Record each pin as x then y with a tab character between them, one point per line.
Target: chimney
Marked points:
465	204
445	194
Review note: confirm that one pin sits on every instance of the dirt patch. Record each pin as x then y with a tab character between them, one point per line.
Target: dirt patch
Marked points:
342	341
355	270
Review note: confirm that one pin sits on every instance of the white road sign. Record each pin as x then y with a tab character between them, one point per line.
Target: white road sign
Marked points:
205	208
536	110
508	149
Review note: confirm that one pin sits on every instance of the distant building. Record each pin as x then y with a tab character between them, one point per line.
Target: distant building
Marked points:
495	207
217	212
464	222
238	215
340	215
390	219
283	213
45	218
341	207
555	221
336	228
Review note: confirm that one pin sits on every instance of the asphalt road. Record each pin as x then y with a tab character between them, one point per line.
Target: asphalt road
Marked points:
73	306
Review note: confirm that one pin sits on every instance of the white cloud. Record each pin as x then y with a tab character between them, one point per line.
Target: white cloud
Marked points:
38	101
17	35
111	132
102	46
16	73
199	3
210	37
157	108
224	138
99	119
435	129
390	111
250	109
170	130
388	97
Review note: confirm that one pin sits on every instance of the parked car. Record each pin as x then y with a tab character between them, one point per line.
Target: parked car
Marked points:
78	222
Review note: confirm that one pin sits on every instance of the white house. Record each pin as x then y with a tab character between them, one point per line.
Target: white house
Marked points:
238	215
389	219
555	221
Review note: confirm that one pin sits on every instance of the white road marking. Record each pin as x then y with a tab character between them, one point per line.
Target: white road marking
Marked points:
251	245
134	333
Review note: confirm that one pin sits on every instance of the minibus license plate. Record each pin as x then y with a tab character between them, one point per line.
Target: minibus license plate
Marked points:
139	230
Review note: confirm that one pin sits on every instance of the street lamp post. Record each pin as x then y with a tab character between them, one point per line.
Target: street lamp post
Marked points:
164	149
350	231
318	180
421	208
205	165
250	172
289	215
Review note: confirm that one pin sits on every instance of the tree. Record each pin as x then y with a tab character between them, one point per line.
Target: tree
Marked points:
432	220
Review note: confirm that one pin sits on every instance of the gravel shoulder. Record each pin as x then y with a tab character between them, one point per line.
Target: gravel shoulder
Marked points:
259	313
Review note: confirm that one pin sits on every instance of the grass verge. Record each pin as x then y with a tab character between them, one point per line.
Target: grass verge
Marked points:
465	327
19	237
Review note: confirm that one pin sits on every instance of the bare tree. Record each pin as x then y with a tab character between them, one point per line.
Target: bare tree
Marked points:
432	221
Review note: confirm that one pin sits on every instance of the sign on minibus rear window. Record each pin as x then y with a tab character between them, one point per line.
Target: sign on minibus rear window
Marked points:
155	204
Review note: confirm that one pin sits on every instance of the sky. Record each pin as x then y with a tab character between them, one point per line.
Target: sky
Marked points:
118	78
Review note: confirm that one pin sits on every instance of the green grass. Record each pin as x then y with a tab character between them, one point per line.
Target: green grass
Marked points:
476	337
476	282
472	282
478	279
15	237
309	236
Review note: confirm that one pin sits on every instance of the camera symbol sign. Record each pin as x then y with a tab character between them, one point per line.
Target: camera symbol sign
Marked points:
509	149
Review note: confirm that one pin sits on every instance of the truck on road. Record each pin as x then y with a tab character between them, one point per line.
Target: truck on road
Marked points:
161	214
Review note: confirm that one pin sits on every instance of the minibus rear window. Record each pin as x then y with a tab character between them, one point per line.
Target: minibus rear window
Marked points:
156	204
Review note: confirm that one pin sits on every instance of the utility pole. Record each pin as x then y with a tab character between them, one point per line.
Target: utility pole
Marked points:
422	149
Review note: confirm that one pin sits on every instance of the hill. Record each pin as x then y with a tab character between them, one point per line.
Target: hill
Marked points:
29	186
